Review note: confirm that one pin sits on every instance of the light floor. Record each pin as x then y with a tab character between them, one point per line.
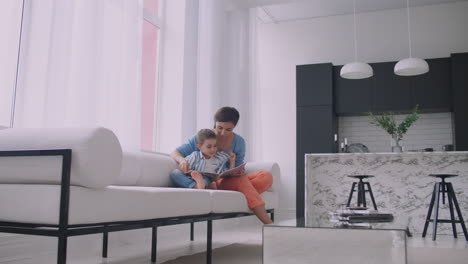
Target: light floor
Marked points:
133	247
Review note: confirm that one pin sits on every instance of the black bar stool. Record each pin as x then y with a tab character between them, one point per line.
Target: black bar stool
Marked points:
361	190
444	188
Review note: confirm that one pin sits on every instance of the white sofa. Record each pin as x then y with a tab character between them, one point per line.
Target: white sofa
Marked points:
77	181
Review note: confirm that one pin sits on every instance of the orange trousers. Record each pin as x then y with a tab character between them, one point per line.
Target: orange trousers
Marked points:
251	185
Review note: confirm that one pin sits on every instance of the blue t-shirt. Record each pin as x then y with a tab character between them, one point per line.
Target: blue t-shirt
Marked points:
238	147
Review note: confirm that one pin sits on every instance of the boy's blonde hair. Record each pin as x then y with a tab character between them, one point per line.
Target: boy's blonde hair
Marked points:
205	134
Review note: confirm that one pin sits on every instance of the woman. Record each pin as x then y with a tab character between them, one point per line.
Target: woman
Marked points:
251	185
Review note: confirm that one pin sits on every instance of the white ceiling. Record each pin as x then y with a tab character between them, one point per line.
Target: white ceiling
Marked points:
286	10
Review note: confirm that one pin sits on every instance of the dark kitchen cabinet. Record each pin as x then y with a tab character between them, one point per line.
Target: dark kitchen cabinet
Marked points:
314	91
386	91
316	122
390	92
314	84
315	129
432	91
352	97
459	65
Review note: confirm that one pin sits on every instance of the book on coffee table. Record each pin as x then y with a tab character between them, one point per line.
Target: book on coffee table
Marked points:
358	218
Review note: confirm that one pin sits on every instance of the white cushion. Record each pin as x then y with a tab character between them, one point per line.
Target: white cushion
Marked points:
272	167
146	169
131	170
28	203
232	201
96	155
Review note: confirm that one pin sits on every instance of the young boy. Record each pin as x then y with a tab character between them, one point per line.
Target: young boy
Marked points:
208	159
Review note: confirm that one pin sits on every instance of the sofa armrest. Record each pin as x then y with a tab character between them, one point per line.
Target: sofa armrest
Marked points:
272	167
97	155
66	160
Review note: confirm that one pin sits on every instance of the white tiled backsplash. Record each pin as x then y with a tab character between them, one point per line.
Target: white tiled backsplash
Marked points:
429	131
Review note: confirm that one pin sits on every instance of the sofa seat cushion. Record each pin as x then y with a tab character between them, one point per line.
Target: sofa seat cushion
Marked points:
35	203
232	201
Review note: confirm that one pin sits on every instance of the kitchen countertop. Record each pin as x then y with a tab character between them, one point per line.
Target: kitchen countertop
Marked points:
401	185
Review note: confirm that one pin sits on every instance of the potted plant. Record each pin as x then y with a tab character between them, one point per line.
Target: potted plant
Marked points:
387	122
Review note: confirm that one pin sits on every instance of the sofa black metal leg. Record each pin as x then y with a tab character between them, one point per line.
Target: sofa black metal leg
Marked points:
460	217
62	250
272	216
429	212
192	226
105	237
209	241
154	242
351	195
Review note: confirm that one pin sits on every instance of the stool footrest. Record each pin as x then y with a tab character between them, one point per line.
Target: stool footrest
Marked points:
364	190
444	221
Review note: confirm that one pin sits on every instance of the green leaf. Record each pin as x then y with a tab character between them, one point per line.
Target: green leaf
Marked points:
387	122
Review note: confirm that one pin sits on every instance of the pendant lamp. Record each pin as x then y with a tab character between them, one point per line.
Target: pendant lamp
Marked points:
356	70
410	66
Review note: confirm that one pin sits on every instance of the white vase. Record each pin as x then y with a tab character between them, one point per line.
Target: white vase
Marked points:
397	147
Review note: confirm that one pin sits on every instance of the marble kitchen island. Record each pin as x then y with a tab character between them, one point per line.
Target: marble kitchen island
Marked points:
401	184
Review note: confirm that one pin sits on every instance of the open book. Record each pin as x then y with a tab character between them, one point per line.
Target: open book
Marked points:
234	172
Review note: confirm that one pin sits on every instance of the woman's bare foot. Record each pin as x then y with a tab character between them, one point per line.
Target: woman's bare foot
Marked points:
262	214
199	179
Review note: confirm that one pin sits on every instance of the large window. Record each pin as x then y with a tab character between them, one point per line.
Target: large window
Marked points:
149	77
10	27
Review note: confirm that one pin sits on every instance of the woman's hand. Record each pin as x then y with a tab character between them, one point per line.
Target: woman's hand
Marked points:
181	161
184	166
232	160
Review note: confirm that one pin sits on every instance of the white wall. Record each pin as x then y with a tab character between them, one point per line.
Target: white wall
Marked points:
437	31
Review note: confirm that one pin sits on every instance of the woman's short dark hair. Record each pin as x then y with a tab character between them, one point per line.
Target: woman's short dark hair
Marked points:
227	114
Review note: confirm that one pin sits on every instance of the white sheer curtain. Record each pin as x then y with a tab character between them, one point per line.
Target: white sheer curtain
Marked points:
225	53
81	65
10	24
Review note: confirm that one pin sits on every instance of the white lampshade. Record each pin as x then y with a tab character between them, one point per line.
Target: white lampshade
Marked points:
356	70
411	67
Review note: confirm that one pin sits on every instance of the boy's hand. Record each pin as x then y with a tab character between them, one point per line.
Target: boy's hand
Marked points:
232	159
